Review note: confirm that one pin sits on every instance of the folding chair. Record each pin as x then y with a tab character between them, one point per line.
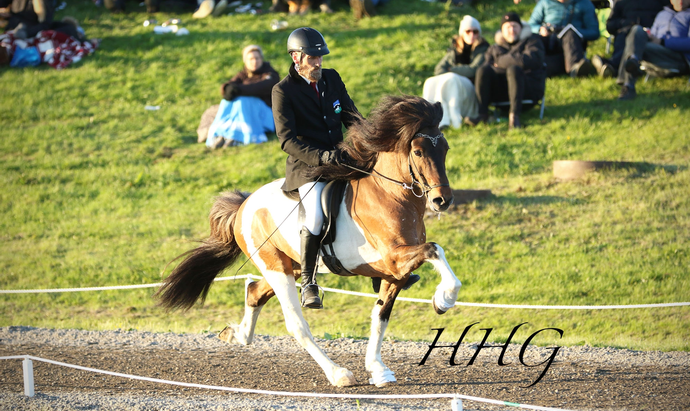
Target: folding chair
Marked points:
650	70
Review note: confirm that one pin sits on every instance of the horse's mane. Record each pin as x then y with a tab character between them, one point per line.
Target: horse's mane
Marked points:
391	127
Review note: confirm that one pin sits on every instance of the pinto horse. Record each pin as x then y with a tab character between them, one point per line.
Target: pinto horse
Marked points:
400	156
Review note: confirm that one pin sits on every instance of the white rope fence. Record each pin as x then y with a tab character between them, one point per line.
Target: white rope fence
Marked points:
456	399
338	291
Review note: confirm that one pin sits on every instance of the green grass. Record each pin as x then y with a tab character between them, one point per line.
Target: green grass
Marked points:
96	191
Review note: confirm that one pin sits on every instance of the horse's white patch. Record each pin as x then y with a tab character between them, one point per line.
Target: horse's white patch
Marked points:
447	291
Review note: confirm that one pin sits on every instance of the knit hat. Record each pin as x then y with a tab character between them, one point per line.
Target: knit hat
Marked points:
511	16
467	23
251	48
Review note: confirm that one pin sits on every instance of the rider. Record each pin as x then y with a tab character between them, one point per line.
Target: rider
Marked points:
310	107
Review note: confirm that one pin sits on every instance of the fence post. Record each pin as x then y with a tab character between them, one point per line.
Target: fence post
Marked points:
28	377
456	404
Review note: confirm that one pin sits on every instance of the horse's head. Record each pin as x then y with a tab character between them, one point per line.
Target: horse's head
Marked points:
427	159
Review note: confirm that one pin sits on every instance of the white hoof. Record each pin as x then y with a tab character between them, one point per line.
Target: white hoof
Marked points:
438	310
382	378
230	335
342	377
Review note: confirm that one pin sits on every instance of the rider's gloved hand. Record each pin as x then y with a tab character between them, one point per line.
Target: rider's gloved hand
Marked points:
335	158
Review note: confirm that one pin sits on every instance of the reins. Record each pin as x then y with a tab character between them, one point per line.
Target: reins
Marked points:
424	186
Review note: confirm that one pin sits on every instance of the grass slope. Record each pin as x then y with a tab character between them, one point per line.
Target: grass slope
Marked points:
96	191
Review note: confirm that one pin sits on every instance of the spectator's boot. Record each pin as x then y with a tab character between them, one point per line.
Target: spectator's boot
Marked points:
603	68
309	253
632	66
513	121
475	121
205	9
627	93
219	8
583	68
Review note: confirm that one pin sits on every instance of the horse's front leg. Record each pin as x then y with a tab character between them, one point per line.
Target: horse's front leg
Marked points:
405	259
381	375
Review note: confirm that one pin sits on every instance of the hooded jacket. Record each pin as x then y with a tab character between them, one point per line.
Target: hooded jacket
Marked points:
627	13
452	61
674	27
580	13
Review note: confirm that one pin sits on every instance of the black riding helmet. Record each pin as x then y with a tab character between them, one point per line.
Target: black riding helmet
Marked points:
308	41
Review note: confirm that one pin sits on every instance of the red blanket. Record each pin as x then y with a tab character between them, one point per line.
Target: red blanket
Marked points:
57	49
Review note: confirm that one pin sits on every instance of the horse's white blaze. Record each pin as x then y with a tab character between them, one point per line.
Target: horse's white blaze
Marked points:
447	291
380	374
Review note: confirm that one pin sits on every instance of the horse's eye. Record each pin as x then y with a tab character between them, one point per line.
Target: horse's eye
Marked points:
418	153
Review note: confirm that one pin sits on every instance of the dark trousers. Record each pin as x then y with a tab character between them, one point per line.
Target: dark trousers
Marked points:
563	53
637	45
493	84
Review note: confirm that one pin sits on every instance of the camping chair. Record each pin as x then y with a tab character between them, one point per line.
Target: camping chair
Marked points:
651	70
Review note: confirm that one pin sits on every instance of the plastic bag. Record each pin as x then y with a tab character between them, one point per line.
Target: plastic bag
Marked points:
25	57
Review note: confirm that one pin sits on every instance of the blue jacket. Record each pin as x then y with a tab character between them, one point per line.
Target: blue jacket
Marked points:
674	27
580	13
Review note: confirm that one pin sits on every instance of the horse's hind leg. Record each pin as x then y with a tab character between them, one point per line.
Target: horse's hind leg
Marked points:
381	375
284	286
256	294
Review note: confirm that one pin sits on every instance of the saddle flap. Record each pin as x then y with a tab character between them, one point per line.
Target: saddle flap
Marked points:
331	197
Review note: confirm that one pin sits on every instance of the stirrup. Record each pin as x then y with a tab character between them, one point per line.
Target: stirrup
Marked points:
310	297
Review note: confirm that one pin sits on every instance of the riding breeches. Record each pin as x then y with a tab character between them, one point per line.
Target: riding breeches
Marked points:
310	194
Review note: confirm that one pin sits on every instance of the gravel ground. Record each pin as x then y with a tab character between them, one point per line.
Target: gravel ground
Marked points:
580	378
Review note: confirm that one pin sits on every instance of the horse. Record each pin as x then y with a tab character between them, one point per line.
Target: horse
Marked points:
400	155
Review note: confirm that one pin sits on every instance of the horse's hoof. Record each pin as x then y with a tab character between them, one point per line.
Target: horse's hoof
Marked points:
344	378
438	310
227	335
382	378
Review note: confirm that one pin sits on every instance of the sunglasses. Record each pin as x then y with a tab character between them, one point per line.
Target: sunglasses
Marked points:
474	31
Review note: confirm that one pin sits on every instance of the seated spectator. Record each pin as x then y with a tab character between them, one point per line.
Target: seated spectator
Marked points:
244	115
153	6
514	70
453	81
26	18
666	46
301	7
565	49
625	14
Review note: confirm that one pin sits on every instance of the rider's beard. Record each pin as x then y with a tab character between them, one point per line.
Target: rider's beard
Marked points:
313	74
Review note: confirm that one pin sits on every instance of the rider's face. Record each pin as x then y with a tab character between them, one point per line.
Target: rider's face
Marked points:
309	66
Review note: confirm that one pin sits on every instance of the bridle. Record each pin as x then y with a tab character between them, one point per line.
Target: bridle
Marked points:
423	185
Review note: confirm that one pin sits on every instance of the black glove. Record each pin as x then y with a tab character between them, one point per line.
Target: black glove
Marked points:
335	158
231	92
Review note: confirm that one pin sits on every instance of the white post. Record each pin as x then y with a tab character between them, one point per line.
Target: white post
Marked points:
456	404
28	377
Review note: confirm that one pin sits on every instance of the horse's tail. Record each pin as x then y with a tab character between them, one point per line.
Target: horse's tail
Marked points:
195	274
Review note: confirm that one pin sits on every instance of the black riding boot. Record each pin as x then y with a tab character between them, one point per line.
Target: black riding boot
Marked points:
310	249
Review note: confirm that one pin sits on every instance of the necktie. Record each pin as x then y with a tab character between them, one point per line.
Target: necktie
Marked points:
313	85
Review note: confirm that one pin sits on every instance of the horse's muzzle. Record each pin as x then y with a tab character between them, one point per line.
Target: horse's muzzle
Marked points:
441	203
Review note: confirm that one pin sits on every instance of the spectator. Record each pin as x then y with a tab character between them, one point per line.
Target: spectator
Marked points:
26	18
514	70
565	49
244	115
310	107
299	6
453	81
666	46
625	14
152	6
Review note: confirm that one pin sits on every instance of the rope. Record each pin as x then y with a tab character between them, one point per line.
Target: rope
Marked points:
359	294
284	393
